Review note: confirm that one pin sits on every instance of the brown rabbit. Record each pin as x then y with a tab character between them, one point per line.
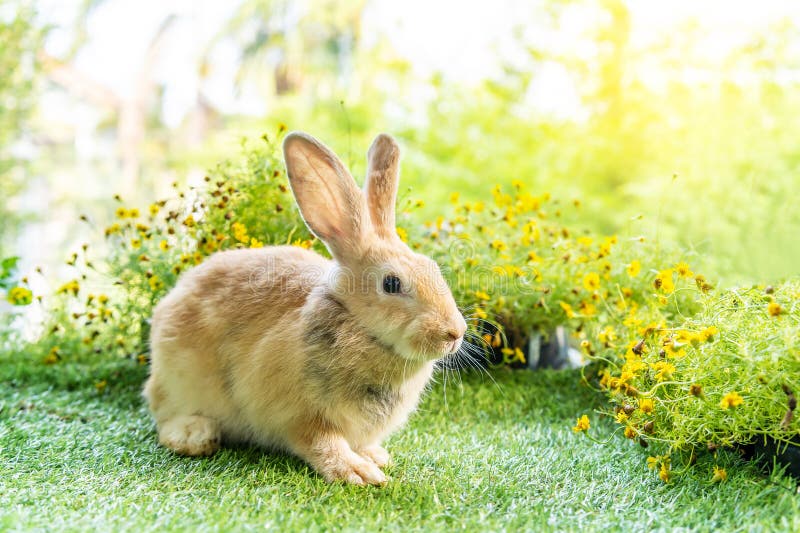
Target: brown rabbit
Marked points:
281	347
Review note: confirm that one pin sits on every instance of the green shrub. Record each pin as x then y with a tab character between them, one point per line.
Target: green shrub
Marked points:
723	377
511	260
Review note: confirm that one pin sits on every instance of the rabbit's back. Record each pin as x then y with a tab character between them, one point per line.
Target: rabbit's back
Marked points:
221	326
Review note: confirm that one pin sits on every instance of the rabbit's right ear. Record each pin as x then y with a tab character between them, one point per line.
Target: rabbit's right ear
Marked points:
331	204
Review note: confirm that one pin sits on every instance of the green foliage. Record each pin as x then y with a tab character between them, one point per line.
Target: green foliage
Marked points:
723	377
513	260
8	267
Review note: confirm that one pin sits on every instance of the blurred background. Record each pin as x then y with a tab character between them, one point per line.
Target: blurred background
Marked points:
677	121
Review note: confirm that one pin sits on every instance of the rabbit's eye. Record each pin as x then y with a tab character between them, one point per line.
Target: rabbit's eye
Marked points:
391	284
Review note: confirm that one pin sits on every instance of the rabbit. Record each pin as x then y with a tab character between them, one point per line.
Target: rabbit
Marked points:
281	347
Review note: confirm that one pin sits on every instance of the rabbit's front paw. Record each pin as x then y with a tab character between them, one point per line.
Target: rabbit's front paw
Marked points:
376	454
190	435
354	469
333	458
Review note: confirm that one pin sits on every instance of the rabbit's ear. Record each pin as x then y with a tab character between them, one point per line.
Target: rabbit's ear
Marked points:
380	187
331	204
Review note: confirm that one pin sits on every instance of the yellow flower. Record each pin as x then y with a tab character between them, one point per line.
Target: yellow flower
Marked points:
500	198
664	281
121	212
646	405
113	228
255	243
591	281
419	203
189	221
588	309
454	197
155	283
582	424
683	270
512	355
498	245
71	286
164	245
719	475
633	268
133	213
621	417
629	432
633	365
652	462
480	313
19	296
708	333
517	184
533	258
774	309
627	292
240	232
567	309
607	335
732	399
402	233
154	209
497	269
481	295
663	370
136	243
530	232
663	472
52	356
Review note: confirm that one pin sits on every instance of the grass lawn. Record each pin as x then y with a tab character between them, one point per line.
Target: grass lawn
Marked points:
482	457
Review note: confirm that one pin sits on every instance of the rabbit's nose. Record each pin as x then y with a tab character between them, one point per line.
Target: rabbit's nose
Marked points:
453	335
456	331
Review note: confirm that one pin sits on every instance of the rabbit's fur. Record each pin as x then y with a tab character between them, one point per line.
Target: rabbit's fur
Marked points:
282	347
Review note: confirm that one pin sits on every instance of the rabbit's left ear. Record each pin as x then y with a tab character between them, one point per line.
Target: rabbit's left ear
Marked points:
380	187
330	202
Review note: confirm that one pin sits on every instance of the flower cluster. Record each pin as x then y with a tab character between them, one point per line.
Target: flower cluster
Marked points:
714	379
513	262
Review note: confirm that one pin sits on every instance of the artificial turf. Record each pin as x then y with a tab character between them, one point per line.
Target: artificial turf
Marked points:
479	455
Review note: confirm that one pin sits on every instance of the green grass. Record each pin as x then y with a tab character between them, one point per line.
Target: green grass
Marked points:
490	457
